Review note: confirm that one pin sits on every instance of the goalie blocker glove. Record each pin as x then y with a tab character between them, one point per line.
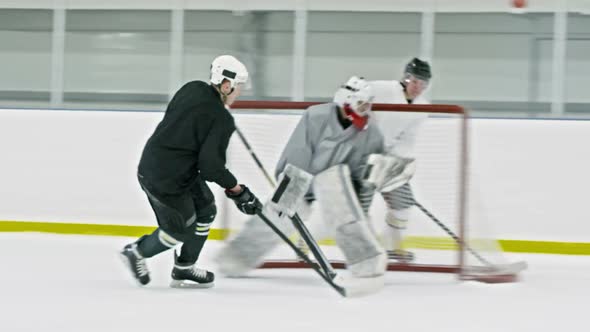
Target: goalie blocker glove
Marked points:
245	200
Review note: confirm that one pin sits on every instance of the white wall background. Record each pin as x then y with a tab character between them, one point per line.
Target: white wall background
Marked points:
487	56
68	166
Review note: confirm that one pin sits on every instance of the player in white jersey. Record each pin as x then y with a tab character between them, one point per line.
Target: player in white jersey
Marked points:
400	132
330	144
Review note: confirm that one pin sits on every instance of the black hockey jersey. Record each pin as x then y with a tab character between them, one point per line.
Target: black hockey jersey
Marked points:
191	140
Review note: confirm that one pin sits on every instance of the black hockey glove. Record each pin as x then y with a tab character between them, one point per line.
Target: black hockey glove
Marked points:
245	200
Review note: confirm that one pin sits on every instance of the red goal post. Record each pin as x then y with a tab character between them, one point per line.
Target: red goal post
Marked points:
457	221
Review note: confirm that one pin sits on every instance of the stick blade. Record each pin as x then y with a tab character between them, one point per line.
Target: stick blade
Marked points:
358	287
501	273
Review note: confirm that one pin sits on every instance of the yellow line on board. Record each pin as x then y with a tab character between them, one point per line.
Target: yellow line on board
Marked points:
89	229
422	242
546	247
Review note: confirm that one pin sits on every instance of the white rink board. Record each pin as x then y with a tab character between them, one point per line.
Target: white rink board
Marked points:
79	166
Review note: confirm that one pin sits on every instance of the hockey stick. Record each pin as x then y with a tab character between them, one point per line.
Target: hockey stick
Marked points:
301	254
451	234
297	222
256	160
313	246
499	269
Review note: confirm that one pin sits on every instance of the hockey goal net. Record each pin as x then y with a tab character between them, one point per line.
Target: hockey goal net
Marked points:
447	230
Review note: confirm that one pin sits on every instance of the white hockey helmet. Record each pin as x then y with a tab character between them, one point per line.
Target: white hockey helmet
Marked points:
355	94
229	68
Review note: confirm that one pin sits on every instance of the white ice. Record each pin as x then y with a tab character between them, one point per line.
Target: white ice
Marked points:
77	283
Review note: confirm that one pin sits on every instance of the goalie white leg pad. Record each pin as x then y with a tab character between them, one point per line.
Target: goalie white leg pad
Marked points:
247	249
345	218
364	255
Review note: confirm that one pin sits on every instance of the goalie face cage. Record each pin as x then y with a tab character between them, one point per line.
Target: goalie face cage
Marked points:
443	185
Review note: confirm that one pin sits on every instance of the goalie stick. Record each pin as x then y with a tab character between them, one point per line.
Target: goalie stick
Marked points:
302	255
313	246
296	220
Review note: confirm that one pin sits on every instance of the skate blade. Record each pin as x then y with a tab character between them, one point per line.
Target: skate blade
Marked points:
404	257
128	266
190	284
400	260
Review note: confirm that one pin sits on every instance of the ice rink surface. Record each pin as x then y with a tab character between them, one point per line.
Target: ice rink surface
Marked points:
78	283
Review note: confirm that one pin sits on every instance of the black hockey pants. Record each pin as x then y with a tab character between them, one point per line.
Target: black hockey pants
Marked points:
182	218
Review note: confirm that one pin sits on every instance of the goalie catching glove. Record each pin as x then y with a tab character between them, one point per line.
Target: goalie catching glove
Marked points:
389	172
245	200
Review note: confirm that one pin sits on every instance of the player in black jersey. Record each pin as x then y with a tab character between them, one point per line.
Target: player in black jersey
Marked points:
187	149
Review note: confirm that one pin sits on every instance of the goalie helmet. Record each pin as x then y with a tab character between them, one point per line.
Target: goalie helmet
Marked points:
419	69
354	94
355	98
227	67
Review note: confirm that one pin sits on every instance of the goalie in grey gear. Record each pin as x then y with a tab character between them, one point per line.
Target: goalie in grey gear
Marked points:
332	143
400	131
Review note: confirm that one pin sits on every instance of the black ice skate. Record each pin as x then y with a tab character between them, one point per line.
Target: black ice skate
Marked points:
190	276
136	263
402	256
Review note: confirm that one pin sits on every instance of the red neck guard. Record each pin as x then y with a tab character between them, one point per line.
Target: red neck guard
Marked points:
360	122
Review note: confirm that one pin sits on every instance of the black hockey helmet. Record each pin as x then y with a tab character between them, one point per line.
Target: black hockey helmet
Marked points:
418	68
